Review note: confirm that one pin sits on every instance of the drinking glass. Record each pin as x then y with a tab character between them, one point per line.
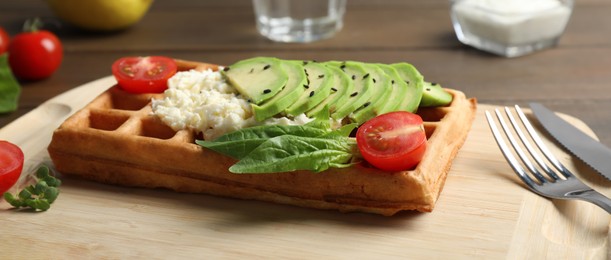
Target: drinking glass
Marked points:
299	20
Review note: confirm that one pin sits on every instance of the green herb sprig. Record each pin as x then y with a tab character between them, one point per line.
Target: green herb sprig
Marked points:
38	196
272	148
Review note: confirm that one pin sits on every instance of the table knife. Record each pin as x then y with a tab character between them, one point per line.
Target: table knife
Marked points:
582	146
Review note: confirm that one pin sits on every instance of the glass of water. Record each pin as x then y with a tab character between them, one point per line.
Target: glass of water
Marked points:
299	20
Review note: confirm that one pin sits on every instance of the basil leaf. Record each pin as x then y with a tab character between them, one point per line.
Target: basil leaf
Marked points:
9	87
240	143
290	153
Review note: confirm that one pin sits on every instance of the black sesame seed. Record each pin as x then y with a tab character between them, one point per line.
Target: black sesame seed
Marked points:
312	93
334	89
428	89
374	80
314	61
306	86
343	66
267	91
353	77
433	84
367	104
267	67
366	75
252	70
407	81
306	72
354	94
305	62
392	82
321	76
226	69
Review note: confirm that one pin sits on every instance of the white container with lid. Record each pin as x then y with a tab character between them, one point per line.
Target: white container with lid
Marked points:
510	28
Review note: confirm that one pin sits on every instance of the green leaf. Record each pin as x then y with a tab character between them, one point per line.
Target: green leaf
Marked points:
52	181
240	143
51	194
15	202
38	196
25	194
42	172
290	153
9	87
40	187
37	203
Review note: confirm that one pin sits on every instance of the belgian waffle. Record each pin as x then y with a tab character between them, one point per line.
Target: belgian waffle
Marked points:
116	139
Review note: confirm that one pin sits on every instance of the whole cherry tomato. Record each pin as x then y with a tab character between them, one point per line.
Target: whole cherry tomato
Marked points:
4	40
393	141
35	54
11	164
144	74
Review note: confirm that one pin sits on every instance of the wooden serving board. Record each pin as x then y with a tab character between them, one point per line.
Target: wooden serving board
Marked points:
483	212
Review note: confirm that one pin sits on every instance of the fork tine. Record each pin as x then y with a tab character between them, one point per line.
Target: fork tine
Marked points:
548	154
535	155
513	162
517	148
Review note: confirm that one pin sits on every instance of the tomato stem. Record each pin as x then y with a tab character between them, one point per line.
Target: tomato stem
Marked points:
32	25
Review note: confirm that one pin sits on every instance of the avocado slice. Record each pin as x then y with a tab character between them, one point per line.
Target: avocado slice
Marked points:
398	92
342	84
318	86
380	94
287	96
414	80
258	79
361	92
434	96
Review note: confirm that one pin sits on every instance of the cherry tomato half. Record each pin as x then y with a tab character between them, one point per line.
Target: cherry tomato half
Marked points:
4	40
35	55
11	164
394	141
144	74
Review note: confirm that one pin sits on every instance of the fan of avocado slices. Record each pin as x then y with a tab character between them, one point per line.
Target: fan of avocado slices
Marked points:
348	91
357	91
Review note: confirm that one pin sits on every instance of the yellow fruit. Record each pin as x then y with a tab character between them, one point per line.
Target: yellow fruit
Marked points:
100	15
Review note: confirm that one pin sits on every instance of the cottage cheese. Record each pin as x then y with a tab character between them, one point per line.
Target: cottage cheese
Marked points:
203	101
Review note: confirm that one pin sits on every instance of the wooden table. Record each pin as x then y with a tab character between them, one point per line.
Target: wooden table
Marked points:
573	78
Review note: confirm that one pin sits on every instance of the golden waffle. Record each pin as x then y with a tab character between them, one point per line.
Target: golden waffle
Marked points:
115	139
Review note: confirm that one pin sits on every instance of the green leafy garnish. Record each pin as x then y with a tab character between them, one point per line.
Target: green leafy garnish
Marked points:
273	148
38	196
240	143
291	153
9	87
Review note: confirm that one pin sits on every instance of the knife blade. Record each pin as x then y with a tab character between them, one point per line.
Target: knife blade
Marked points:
582	146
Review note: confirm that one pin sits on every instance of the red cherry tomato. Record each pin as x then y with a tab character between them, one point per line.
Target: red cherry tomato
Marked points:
11	164
35	55
144	74
4	40
394	141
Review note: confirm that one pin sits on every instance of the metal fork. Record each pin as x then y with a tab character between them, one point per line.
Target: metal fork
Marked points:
552	186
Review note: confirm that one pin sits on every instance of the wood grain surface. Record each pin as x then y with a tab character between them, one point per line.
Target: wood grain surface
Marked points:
103	221
483	212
